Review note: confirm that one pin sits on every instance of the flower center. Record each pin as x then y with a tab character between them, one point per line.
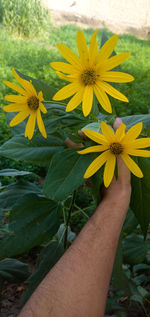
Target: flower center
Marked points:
116	148
33	103
88	77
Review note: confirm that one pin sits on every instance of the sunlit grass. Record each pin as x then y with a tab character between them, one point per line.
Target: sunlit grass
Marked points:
32	57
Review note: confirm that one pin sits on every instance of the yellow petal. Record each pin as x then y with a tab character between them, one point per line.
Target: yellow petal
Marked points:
102	98
96	148
113	92
87	101
19	79
15	87
63	67
16	98
30	88
42	108
66	92
41	124
30	126
69	55
15	108
133	133
108	48
82	47
115	61
120	132
40	96
96	165
95	136
93	49
117	77
24	83
65	77
133	167
75	101
141	143
109	169
142	153
19	118
108	132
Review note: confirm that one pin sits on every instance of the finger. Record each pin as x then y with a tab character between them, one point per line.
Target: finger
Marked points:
124	174
117	123
72	145
82	135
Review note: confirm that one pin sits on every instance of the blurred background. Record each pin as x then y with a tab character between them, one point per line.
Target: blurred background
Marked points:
123	16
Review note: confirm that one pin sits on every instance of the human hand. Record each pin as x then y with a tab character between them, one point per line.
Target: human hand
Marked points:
72	145
119	188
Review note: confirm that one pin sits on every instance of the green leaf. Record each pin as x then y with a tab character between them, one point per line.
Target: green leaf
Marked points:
131	120
130	222
13	172
57	118
38	151
13	270
60	234
134	249
50	255
142	267
119	279
48	91
140	198
33	220
13	192
94	126
65	174
104	39
19	129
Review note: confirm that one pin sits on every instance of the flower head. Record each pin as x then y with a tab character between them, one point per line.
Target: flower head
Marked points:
113	145
29	104
89	73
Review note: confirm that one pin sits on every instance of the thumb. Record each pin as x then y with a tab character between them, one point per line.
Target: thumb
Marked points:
123	171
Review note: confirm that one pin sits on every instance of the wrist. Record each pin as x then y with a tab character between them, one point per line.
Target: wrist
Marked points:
118	199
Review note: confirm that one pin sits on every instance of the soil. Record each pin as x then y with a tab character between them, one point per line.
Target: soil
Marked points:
10	299
60	17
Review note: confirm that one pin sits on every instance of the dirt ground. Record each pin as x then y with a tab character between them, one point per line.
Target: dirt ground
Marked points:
65	17
10	299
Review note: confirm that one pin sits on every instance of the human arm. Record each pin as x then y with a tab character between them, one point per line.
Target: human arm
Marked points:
78	284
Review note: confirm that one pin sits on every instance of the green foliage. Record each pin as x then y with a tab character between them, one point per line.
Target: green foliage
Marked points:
25	17
134	249
13	172
13	270
33	220
10	195
47	259
65	174
141	189
38	151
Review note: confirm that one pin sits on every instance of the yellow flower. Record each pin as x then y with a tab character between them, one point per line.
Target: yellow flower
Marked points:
29	104
89	73
116	144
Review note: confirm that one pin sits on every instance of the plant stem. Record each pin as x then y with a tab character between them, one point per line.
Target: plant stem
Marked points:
82	211
68	219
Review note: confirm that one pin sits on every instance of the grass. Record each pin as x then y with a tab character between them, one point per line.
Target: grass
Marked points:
26	17
32	57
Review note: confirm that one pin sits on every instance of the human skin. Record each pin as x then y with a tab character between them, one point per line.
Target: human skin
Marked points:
78	283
